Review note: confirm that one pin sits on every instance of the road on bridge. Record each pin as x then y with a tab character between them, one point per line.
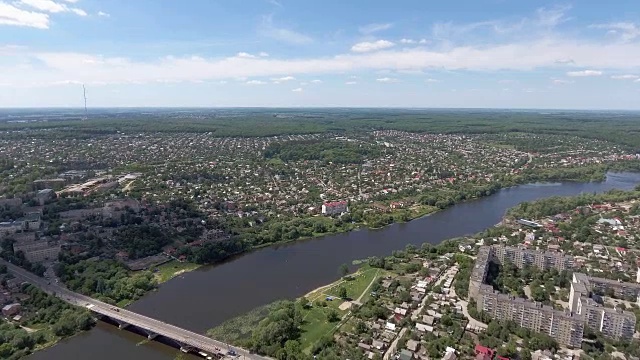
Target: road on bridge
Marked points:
186	337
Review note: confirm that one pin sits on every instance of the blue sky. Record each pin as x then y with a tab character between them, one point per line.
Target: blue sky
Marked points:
583	54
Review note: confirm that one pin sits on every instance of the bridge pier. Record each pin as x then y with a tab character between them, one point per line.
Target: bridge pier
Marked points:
122	324
150	334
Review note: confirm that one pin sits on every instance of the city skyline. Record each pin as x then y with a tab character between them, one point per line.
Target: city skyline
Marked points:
267	53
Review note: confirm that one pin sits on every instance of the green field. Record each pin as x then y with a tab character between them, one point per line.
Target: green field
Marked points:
168	271
316	324
356	285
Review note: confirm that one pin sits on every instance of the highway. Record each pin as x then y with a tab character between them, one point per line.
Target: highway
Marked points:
154	327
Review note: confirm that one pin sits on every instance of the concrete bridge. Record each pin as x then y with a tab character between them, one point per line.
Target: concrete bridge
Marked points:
187	340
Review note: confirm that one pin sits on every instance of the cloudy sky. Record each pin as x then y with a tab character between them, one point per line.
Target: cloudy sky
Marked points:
583	54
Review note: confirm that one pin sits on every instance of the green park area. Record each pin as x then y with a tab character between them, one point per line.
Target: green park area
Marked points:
327	308
311	318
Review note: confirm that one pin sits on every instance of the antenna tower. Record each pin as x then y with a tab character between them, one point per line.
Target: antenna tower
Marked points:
84	93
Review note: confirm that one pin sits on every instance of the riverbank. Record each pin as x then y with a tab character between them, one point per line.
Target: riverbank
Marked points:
321	310
418	211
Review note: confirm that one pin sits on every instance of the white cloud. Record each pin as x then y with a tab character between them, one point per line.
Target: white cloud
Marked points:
245	55
50	6
432	80
386	80
371	46
263	54
11	15
268	29
297	90
584	73
625	30
412	41
103	14
552	17
351	83
541	23
517	56
79	12
316	81
284	78
374	28
561	81
625	77
274	3
255	82
44	5
565	62
638	81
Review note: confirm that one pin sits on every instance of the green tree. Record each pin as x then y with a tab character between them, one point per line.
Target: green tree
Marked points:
344	270
342	292
332	315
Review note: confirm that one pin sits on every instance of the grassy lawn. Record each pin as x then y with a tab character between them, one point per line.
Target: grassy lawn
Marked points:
357	284
315	324
167	271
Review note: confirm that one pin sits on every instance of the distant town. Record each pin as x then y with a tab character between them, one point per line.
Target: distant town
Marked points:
111	213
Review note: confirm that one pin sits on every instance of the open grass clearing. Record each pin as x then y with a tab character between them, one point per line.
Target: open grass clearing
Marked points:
168	271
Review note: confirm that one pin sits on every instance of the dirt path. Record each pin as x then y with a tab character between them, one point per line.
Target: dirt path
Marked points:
375	277
394	344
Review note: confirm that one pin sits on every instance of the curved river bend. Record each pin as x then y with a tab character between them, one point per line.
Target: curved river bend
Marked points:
204	298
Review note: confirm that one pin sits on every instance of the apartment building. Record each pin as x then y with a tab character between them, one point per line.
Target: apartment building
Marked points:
614	323
38	251
566	327
542	260
563	326
479	272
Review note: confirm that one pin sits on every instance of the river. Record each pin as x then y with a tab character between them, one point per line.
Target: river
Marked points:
206	297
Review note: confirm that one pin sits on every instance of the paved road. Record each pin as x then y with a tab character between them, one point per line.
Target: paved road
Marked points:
186	337
472	322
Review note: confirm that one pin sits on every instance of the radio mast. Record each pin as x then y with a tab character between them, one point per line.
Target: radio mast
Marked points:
84	93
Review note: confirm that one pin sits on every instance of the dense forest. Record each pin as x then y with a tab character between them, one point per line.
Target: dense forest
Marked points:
143	240
107	280
558	204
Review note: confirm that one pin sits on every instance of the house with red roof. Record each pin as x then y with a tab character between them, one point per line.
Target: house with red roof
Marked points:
335	207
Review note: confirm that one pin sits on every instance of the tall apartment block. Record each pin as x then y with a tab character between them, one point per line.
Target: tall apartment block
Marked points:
563	326
613	323
566	327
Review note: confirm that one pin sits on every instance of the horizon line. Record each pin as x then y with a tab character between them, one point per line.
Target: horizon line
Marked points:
79	108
